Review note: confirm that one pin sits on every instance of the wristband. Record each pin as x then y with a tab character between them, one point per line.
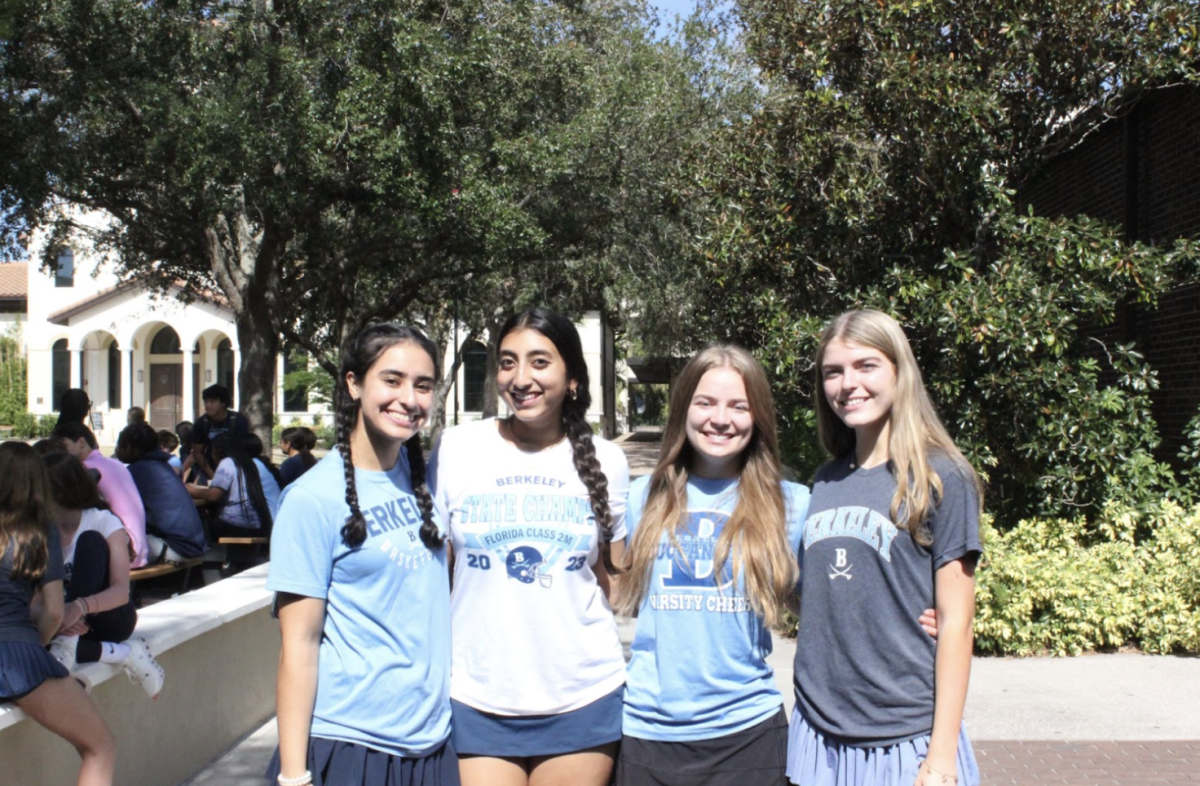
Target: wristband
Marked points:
946	777
300	780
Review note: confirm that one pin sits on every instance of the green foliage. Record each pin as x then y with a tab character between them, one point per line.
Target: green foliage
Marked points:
29	426
878	169
326	164
13	390
1065	586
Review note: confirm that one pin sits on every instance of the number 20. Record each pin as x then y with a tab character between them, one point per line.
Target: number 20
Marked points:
481	561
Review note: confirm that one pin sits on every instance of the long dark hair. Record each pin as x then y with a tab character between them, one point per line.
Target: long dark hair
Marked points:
24	510
253	445
225	446
565	338
358	359
302	439
71	485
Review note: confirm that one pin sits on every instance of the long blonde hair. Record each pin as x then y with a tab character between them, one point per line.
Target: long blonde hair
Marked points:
916	430
756	534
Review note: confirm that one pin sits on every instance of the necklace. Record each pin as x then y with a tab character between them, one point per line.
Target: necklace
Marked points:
527	445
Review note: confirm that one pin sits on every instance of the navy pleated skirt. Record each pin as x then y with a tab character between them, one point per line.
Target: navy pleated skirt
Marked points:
24	667
478	733
340	763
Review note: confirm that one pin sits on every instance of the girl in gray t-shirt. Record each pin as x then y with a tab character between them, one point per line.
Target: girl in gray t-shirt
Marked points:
874	553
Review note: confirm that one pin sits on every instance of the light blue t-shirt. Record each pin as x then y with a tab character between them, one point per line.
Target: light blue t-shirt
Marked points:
698	668
383	674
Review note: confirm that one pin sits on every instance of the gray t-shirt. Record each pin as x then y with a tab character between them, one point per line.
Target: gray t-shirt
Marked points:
864	665
15	622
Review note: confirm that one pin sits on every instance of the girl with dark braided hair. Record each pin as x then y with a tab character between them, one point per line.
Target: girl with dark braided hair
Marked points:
362	693
535	506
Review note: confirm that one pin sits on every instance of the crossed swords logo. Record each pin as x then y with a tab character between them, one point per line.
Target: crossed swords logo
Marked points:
845	573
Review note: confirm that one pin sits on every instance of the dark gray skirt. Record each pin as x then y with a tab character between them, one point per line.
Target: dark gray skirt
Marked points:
756	756
24	667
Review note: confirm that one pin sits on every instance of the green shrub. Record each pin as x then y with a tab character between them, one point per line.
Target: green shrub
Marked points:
45	426
24	425
1066	587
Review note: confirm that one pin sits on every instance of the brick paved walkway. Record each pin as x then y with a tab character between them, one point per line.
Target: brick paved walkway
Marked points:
1089	763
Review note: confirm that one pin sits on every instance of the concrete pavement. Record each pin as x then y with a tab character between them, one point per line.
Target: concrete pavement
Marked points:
1095	719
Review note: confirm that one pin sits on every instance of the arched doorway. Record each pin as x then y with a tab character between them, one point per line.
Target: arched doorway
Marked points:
166	379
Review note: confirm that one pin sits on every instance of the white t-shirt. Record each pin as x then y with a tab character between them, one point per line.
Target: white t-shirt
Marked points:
533	633
238	509
91	520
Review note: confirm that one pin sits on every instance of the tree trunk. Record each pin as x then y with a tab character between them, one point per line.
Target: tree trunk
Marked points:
256	378
491	391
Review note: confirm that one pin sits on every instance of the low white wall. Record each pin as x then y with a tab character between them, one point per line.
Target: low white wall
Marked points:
219	648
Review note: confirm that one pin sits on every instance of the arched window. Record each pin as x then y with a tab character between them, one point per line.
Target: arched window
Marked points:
60	371
225	369
166	342
114	376
474	371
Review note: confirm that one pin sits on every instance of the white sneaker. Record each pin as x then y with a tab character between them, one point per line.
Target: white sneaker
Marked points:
62	649
143	669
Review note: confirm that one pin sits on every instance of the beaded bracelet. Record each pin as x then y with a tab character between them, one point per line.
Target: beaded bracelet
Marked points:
299	780
945	777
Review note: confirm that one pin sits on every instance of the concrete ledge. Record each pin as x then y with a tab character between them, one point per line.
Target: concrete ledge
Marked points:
219	648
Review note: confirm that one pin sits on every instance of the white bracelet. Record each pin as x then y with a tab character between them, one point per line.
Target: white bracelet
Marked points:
302	780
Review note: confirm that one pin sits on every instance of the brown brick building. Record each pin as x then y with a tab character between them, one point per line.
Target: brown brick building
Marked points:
1142	172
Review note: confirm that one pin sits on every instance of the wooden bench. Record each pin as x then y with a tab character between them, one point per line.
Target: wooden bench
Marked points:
162	569
234	555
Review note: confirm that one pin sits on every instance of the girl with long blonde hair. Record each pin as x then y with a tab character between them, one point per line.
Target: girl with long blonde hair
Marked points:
714	531
893	526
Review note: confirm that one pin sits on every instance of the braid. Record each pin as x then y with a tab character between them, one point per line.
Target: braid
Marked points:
583	450
416	471
354	532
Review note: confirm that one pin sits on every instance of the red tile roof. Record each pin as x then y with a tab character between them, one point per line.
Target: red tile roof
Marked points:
14	280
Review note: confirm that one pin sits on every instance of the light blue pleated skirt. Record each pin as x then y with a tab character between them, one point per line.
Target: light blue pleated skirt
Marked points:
814	760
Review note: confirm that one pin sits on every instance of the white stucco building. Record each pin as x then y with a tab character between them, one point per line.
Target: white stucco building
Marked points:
84	327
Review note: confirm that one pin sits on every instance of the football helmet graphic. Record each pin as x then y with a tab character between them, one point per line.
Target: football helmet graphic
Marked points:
525	563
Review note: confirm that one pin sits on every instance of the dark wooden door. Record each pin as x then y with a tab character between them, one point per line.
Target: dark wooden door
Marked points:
166	394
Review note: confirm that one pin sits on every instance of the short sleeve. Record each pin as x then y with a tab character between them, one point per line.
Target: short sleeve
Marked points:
638	491
795	499
956	523
225	476
302	545
54	564
616	471
437	489
108	524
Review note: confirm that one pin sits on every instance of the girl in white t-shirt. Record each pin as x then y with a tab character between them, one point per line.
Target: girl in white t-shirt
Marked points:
100	617
535	505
